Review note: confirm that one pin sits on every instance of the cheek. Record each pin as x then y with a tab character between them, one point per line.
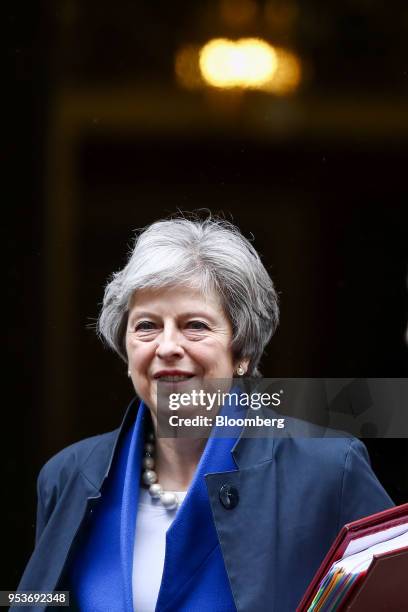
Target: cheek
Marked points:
140	354
211	355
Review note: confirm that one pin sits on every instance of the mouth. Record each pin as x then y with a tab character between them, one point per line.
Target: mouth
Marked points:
173	376
174	379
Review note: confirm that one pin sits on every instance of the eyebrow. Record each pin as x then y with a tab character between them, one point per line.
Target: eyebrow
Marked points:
141	313
198	313
193	313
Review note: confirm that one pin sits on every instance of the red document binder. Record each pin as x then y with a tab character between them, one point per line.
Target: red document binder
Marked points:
385	584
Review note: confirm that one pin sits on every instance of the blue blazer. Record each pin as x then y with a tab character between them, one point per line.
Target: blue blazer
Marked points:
295	493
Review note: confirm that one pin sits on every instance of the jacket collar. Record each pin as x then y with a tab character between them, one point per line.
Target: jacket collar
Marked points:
97	466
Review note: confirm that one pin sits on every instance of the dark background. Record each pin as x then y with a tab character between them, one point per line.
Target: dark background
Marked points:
103	141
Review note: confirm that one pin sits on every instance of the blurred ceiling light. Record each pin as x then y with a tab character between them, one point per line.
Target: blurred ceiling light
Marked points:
238	13
187	67
245	63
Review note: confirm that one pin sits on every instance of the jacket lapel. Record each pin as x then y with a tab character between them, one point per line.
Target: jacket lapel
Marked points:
97	466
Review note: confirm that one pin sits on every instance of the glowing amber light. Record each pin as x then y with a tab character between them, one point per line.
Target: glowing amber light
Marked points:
248	63
245	63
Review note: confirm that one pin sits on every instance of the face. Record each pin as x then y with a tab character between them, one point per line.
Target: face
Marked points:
178	336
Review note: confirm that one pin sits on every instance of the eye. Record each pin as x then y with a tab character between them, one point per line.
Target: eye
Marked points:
145	326
197	325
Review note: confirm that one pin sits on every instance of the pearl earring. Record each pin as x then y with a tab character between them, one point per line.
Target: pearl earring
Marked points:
128	372
240	370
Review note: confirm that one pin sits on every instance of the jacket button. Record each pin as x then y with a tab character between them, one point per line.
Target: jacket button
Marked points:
229	496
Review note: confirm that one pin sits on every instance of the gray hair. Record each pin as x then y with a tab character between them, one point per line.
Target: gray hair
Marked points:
209	254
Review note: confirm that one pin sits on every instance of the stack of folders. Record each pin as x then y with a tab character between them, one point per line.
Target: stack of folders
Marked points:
365	569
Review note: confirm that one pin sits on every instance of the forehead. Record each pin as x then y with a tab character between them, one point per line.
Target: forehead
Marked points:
175	299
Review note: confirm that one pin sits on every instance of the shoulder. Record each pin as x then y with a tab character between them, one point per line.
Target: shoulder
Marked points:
329	458
335	458
337	468
76	457
319	445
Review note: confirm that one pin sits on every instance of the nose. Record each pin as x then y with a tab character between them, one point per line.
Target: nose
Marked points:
169	344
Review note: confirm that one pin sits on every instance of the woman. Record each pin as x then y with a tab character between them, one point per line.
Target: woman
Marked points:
129	520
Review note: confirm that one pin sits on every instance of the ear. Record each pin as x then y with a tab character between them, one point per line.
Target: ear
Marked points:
245	363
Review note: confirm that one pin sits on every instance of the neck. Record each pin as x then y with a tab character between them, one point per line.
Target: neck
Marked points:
176	461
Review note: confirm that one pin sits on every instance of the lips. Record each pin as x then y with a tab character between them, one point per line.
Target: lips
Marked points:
174	378
173	375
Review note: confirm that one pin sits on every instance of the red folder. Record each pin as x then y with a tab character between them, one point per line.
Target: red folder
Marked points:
385	584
